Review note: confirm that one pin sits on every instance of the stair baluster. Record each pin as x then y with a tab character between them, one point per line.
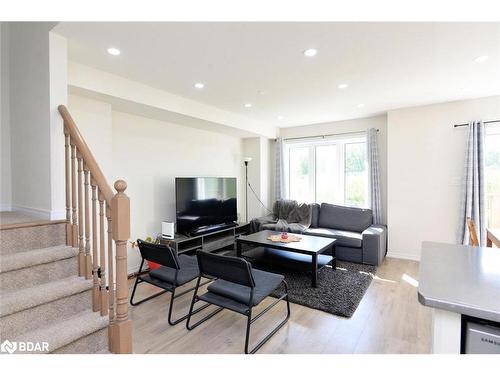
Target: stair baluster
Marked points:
88	256
111	281
81	244
74	197
102	253
67	161
95	257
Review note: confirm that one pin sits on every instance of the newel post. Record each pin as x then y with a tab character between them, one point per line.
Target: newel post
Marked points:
121	327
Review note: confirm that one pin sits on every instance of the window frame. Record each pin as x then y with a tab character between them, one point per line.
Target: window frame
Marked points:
340	175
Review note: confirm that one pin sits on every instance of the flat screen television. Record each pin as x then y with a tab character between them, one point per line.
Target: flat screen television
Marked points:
204	204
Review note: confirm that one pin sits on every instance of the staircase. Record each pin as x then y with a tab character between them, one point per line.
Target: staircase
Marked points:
42	297
63	284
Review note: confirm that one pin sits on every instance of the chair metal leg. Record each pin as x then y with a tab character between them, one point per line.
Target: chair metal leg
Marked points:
137	282
191	312
145	299
171	308
276	329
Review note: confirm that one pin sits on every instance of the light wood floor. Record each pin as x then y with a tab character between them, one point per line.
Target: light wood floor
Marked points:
389	319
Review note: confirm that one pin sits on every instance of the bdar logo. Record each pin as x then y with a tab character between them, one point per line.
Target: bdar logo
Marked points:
9	347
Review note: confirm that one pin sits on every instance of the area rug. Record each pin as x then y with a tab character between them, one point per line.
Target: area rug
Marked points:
339	292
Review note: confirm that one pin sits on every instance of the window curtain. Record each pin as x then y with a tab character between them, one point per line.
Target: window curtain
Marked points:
280	181
474	189
374	175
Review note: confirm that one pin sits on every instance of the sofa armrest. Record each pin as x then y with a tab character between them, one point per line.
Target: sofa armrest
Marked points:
374	244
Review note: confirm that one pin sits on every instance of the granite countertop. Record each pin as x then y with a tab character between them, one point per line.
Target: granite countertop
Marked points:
461	279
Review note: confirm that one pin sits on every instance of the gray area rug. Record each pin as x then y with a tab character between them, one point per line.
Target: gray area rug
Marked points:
339	292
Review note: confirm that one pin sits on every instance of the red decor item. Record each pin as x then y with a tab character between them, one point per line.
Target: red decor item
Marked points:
284	235
153	265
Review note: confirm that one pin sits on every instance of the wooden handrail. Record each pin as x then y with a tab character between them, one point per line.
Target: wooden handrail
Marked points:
86	154
108	273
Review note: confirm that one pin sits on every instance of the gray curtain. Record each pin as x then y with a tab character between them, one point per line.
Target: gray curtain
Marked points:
279	173
374	175
474	189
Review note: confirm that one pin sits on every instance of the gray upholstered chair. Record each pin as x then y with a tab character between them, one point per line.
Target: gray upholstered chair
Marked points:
174	271
238	287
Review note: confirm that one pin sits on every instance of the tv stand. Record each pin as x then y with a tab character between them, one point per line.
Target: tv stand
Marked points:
210	229
211	241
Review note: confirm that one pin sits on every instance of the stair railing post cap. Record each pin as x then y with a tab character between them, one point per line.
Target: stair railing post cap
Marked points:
120	186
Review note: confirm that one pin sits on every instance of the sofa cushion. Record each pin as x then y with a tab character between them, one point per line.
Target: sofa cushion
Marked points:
343	237
344	218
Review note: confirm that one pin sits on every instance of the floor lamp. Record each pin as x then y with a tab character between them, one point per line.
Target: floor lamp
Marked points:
246	160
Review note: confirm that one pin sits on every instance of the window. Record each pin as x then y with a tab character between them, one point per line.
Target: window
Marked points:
332	170
492	175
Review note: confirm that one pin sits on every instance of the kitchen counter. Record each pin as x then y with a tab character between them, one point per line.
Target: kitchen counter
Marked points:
458	280
462	279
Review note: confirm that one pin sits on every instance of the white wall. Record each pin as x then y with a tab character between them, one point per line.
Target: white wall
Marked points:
94	119
37	86
29	115
425	165
148	154
339	127
58	94
5	174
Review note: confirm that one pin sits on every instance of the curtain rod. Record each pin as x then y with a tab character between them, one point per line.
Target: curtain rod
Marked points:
326	135
484	122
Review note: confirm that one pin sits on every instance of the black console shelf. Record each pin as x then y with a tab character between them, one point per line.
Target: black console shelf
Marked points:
207	242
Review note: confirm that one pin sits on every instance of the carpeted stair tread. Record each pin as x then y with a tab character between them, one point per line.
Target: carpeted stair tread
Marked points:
67	331
23	299
20	260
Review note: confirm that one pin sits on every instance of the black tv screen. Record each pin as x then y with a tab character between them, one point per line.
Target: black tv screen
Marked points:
204	201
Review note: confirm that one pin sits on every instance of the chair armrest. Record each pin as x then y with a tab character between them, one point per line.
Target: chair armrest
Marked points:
374	244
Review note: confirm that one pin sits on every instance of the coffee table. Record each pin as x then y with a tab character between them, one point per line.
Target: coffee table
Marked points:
310	247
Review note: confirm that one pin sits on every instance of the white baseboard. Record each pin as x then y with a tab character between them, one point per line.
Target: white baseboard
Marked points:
5	207
36	212
403	255
58	215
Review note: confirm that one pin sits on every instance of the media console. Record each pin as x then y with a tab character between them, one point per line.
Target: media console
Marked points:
207	242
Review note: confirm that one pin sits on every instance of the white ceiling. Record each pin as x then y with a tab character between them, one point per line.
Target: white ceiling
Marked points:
387	65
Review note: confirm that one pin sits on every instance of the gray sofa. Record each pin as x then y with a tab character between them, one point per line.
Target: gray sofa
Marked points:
358	239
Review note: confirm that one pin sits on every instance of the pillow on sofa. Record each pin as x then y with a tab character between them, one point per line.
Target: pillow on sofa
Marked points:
314	215
344	218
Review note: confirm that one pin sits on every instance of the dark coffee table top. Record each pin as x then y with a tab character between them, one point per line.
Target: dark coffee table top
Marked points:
307	245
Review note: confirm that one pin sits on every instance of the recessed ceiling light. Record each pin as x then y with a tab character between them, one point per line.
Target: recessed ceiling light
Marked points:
199	85
248	105
310	52
281	118
343	86
360	105
114	51
481	59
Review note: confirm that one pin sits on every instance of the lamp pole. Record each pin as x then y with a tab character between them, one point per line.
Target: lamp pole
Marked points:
246	160
246	191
